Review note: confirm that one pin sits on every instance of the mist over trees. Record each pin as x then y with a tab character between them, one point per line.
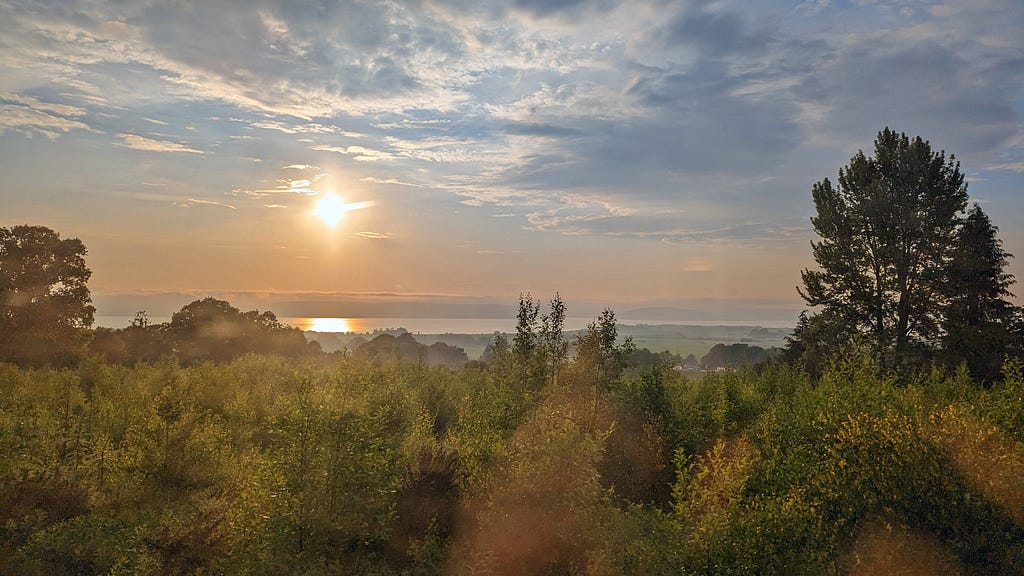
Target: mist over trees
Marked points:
208	329
404	347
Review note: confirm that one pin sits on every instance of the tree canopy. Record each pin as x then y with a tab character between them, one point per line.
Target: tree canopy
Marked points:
213	329
45	306
979	319
885	237
901	266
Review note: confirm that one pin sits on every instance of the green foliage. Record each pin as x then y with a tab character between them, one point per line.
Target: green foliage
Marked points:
341	464
211	329
903	267
885	237
978	319
45	307
734	356
203	330
404	347
538	344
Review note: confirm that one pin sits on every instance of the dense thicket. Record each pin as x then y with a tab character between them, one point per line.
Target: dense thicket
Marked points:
338	464
724	356
405	347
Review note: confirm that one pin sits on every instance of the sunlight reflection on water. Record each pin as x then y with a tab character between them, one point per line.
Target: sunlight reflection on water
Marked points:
323	324
443	325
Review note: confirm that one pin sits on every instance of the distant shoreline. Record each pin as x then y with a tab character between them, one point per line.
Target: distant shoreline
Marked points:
356	325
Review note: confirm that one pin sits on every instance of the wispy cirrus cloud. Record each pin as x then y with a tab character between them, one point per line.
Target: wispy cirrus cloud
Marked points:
136	142
372	235
1012	166
31	116
391	181
358	153
200	201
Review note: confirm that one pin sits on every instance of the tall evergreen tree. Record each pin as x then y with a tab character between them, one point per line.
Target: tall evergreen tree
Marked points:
978	319
884	249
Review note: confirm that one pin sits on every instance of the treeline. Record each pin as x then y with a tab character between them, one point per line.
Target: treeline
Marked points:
46	313
404	347
204	330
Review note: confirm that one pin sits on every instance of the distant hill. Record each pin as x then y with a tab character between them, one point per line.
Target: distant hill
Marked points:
715	312
668	314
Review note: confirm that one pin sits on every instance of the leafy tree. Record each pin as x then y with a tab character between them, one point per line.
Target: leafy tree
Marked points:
145	341
979	318
538	343
735	356
554	344
525	340
45	306
406	348
497	348
212	329
817	340
885	236
596	347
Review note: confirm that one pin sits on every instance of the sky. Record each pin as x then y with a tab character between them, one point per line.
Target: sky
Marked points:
621	153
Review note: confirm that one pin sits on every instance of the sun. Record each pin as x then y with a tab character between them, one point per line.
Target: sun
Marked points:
331	210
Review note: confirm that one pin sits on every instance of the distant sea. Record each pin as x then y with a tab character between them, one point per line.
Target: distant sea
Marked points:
449	325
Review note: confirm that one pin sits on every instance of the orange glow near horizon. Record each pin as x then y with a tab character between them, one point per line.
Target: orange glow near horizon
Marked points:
326	325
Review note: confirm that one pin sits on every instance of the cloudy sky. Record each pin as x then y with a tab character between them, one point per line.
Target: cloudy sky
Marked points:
650	152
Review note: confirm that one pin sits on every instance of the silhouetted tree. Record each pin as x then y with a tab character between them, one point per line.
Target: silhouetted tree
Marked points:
145	341
405	348
212	329
552	341
538	345
979	319
109	344
885	237
45	307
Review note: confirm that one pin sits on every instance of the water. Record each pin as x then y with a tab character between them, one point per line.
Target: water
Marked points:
448	325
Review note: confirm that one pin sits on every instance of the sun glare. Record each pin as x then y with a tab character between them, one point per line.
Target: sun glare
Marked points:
328	325
331	210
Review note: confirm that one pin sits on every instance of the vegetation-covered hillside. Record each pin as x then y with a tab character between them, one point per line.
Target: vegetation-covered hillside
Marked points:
266	465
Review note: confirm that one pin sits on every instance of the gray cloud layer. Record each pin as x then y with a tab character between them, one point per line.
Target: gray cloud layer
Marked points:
655	119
